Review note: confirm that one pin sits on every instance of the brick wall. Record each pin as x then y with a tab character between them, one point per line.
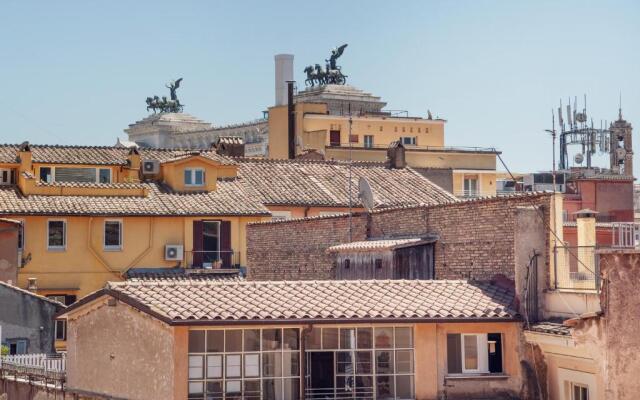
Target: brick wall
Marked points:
476	238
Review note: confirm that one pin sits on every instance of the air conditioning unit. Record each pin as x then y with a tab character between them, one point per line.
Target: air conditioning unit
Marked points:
173	252
150	167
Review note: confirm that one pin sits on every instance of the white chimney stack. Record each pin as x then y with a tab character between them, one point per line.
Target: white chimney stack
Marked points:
284	73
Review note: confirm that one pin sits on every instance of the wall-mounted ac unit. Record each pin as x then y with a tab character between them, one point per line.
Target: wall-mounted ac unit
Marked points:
150	167
173	252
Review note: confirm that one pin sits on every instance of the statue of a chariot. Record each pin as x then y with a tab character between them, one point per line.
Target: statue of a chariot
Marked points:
331	75
163	105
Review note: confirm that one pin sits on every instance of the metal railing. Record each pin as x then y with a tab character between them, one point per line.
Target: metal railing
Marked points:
576	268
34	366
339	393
205	259
464	149
625	234
472	194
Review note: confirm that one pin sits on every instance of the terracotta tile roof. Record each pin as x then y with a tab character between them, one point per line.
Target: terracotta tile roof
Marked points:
326	183
113	185
230	198
550	327
99	155
180	275
382	244
286	301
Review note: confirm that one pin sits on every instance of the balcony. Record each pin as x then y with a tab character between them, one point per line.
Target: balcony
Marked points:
576	268
210	260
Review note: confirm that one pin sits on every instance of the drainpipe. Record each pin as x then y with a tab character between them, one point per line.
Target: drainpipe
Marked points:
303	359
291	116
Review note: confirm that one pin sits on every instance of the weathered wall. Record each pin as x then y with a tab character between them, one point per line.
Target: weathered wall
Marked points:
476	239
24	316
111	350
8	251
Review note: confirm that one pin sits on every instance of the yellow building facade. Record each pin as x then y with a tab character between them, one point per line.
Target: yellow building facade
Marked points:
362	136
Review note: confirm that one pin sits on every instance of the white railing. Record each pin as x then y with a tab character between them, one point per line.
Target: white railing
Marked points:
43	362
625	234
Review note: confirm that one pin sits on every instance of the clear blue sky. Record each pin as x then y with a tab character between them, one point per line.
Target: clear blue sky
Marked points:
77	72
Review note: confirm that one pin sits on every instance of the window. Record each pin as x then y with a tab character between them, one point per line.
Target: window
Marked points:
194	177
403	129
579	392
21	236
56	234
354	139
45	175
347	263
474	353
334	138
380	128
112	235
378	263
363	362
470	186
280	215
411	130
368	141
17	346
66	299
61	329
244	363
75	174
5	176
104	175
408	140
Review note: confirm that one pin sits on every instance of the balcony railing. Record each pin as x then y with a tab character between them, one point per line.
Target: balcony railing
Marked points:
48	368
472	194
223	259
576	268
340	393
462	149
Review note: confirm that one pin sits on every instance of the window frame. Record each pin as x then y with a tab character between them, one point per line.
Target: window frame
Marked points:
51	174
9	172
412	140
574	385
21	235
107	247
98	170
63	324
64	234
192	173
368	141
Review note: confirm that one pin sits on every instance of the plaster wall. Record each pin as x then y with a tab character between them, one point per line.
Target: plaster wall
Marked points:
8	252
118	351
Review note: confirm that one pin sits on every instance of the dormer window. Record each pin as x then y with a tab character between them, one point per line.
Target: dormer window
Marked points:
194	177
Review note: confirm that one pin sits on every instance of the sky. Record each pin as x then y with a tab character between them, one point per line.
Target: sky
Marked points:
78	72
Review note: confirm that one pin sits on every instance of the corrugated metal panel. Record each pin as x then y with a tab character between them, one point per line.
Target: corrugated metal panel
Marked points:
75	174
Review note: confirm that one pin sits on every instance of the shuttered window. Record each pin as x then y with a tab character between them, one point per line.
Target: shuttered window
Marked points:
67	174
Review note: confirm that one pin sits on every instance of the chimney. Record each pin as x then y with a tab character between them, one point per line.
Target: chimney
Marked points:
231	146
24	153
284	74
292	120
32	284
396	155
586	226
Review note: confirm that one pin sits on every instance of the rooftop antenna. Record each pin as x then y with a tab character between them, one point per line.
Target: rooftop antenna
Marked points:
552	131
350	173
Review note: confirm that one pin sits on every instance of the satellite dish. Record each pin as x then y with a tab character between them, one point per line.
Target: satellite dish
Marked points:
365	194
578	158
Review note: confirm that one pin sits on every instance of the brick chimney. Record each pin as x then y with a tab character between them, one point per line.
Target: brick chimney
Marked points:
396	155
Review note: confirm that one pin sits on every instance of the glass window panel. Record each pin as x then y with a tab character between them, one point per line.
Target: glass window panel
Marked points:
233	340
252	340
214	366
384	338
345	386
112	234
314	339
271	339
215	341
252	389
187	177
196	341
364	387
404	338
330	338
272	389
404	361
199	177
384	362
384	387
234	366
291	388
105	175
291	339
252	365
56	234
272	364
347	338
365	338
214	390
470	352
404	387
291	363
233	388
196	366
363	362
196	390
344	362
